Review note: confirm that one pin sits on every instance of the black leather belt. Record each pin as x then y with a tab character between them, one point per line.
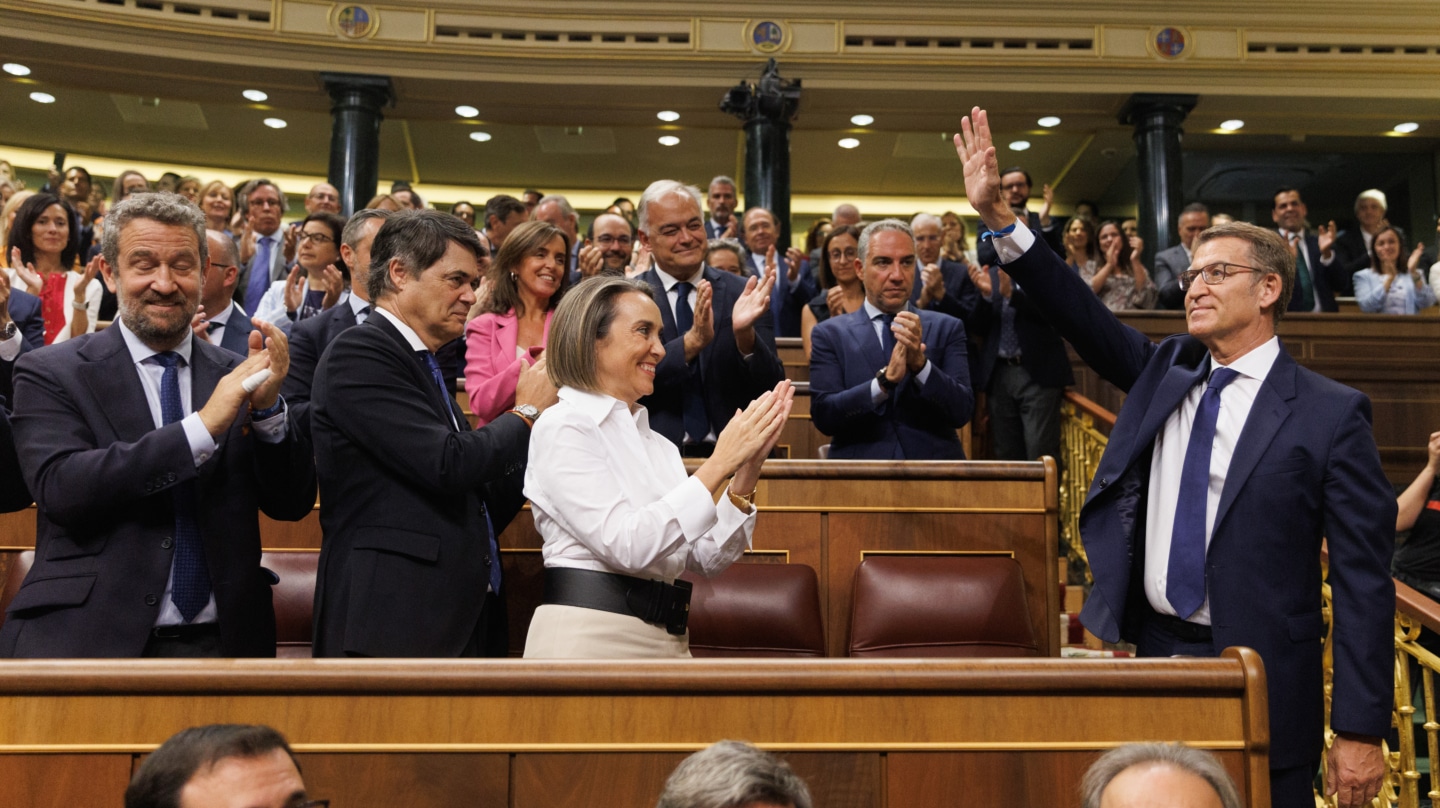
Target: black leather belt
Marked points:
655	602
188	632
1183	629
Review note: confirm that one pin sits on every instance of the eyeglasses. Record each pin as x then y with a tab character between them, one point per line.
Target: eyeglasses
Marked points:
1214	274
607	240
318	238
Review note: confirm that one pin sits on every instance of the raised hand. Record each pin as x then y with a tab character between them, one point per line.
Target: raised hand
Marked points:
276	348
592	260
4	298
835	301
1006	285
295	289
702	330
199	324
748	433
1049	196
748	474
1325	234
334	286
980	276
932	284
730	229
534	387
1137	246
982	171
482	298
796	258
229	395
26	273
247	243
641	264
1413	263
292	236
771	262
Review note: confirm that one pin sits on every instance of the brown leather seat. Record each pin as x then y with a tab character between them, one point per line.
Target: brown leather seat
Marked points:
940	606
294	596
294	601
757	610
19	568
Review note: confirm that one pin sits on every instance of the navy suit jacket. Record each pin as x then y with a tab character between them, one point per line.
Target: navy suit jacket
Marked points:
960	297
236	337
785	303
308	340
25	311
406	555
102	476
917	422
1042	351
728	381
1305	468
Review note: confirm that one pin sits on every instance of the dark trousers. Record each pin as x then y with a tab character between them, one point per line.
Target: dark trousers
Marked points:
184	642
1024	416
1289	788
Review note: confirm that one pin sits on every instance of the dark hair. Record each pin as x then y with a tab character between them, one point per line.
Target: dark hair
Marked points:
1092	241
522	241
118	190
620	199
1284	189
529	191
1123	260
458	204
1399	256
88	178
336	223
1195	207
254	185
1018	170
1093	205
419	238
21	234
827	275
812	240
502	207
165	772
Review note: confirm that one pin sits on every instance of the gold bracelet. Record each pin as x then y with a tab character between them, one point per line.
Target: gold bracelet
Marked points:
741	502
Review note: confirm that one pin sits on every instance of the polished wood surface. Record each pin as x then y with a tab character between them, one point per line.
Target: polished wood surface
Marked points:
445	733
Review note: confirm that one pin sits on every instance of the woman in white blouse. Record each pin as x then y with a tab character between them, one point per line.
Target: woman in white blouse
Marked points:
43	261
619	517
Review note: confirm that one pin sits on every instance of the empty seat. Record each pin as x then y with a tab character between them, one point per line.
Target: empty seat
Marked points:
19	568
940	606
294	600
757	610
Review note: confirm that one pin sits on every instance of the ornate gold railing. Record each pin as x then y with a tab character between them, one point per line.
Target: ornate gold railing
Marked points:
1084	431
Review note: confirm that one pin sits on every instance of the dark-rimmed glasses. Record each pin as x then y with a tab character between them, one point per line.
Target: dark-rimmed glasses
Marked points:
1214	274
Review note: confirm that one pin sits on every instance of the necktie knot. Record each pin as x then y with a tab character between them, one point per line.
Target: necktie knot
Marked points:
1222	377
167	359
683	288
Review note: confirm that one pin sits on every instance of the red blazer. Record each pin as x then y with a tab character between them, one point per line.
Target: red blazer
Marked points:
491	369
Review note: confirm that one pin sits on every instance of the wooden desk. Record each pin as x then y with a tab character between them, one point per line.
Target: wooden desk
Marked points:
873	733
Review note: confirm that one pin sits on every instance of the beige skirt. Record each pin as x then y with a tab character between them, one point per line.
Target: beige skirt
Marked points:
572	632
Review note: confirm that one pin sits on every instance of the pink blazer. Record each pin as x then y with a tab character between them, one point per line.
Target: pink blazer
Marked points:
491	368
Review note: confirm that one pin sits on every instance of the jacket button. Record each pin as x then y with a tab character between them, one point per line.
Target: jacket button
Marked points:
166	543
1104	482
151	600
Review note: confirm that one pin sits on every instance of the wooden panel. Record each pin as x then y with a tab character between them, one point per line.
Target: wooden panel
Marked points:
585	780
412	780
791	353
63	781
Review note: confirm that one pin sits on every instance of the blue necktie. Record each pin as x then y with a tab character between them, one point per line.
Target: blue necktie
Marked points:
489	526
190	585
887	336
259	275
1185	575
697	424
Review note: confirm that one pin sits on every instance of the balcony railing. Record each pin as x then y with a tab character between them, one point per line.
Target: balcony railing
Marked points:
1084	432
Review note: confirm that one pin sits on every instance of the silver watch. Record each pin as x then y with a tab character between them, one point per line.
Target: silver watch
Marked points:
9	332
529	411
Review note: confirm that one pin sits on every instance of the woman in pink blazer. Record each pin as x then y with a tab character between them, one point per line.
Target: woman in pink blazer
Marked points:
529	275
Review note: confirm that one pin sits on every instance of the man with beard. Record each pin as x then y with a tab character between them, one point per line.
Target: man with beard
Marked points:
721	200
607	251
149	452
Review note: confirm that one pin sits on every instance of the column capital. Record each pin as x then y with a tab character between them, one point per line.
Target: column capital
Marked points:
1173	105
379	91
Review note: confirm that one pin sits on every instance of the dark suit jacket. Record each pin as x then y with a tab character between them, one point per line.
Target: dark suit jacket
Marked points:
102	476
960	297
1042	352
14	496
308	340
25	311
1053	236
917	422
728	381
406	555
1168	266
786	304
1320	275
1305	467
236	339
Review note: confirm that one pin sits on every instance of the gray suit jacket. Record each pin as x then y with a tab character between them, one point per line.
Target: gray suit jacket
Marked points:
1168	266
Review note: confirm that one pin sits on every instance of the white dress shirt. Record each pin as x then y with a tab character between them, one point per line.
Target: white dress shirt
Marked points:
610	495
1168	461
272	305
72	280
202	446
357	305
221	321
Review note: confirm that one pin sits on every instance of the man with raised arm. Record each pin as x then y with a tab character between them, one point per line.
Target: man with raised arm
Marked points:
1227	467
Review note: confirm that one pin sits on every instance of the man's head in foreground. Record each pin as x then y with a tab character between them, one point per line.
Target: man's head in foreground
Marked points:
220	766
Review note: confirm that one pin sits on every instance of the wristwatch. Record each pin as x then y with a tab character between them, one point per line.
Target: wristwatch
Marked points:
9	332
527	411
885	384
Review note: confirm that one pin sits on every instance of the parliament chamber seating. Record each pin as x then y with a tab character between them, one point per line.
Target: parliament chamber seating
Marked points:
922	606
757	610
19	568
294	596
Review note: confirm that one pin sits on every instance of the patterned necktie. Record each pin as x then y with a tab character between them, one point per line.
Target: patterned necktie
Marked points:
439	378
259	275
1304	284
190	579
697	424
363	315
887	336
1185	575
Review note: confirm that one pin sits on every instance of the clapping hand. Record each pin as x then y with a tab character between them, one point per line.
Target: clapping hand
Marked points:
592	260
745	442
199	324
26	272
1325	234
980	276
702	330
641	264
796	258
334	286
932	284
295	289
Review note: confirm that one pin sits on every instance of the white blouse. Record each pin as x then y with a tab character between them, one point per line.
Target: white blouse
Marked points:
72	280
610	495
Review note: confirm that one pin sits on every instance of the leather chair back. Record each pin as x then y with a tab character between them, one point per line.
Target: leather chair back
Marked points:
19	568
294	597
940	606
757	610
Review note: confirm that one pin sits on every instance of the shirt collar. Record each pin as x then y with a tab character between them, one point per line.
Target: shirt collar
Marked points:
139	351
669	280
1255	364
871	310
405	331
357	303
223	318
599	406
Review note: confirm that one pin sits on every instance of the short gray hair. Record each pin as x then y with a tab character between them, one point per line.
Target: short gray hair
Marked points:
565	206
1198	762
731	774
923	218
728	244
160	206
350	237
722	180
250	187
882	226
582	319
663	189
418	238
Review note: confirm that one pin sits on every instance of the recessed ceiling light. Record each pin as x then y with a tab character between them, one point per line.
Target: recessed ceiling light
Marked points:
848	143
668	116
1019	145
276	123
43	98
16	69
466	111
258	96
1232	125
862	120
669	140
1406	128
480	137
1049	121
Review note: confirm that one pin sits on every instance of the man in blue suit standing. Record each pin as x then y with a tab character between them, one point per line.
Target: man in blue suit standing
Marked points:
1226	468
889	381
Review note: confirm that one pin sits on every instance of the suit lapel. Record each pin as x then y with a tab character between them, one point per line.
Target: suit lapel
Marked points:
418	371
862	330
1179	380
1269	411
109	372
662	301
